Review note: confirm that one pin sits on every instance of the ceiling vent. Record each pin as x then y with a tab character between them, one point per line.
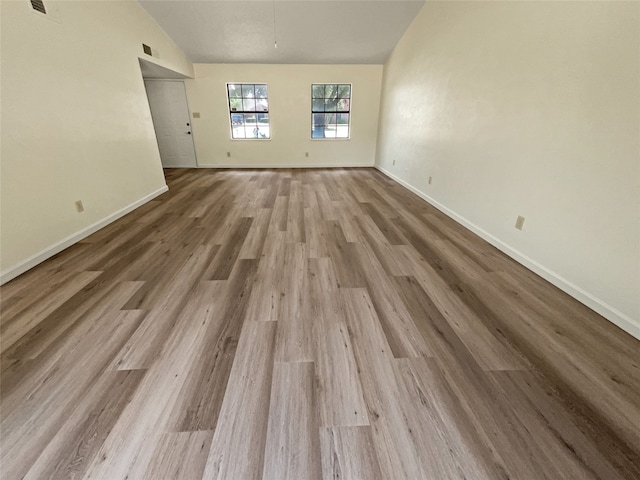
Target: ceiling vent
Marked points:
38	6
147	49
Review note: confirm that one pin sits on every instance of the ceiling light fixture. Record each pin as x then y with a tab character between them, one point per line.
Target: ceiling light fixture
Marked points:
275	39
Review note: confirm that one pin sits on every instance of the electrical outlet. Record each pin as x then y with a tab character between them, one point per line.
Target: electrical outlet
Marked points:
430	179
306	154
228	154
79	206
519	222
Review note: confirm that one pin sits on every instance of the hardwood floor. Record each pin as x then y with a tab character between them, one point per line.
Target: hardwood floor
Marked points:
306	324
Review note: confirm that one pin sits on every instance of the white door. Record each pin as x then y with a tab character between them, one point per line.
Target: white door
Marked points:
170	113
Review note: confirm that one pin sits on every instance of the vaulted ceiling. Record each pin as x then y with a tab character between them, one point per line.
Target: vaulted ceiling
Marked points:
306	31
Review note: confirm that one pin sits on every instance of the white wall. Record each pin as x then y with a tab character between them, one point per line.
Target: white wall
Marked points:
75	121
289	88
532	109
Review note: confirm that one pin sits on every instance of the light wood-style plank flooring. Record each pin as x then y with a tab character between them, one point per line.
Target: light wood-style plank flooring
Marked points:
306	324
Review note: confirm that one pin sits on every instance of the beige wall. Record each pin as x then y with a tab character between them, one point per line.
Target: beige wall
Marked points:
75	120
532	109
289	112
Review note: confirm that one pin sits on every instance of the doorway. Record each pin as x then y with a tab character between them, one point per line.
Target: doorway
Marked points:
172	122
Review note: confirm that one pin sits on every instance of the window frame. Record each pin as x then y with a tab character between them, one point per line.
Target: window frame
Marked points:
350	111
243	112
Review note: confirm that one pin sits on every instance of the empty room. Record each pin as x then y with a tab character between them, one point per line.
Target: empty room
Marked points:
319	239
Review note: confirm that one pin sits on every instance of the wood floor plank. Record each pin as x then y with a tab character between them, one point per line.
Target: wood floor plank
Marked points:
147	341
402	334
180	456
15	325
198	405
294	337
254	242
445	452
348	454
341	402
238	444
91	303
75	445
35	411
396	450
293	445
340	397
129	447
220	268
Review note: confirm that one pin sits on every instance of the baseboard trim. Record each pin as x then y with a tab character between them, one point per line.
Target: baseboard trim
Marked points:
12	272
616	317
278	165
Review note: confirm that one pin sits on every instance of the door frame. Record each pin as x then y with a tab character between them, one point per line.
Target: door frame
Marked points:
195	153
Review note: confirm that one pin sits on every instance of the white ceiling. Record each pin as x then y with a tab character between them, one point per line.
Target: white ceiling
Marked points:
307	31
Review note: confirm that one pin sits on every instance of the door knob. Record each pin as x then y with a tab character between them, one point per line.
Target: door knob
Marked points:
188	133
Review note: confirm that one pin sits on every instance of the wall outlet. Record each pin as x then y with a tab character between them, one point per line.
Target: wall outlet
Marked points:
79	206
306	154
519	222
228	154
430	179
196	114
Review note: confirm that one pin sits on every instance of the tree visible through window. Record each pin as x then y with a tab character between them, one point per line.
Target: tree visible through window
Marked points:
249	110
330	110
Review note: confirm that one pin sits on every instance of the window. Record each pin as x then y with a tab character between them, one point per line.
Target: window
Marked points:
249	110
330	110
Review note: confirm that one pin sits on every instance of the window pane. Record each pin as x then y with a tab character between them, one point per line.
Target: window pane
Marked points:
342	119
248	91
318	119
317	128
329	118
258	131
330	91
236	119
262	105
261	91
329	105
330	131
263	125
235	91
342	105
317	91
318	105
344	91
249	104
235	104
237	130
342	131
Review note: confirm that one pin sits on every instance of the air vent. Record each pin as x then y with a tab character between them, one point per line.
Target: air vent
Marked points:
146	49
38	6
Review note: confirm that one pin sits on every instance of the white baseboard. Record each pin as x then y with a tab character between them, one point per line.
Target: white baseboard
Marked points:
12	272
618	318
277	165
